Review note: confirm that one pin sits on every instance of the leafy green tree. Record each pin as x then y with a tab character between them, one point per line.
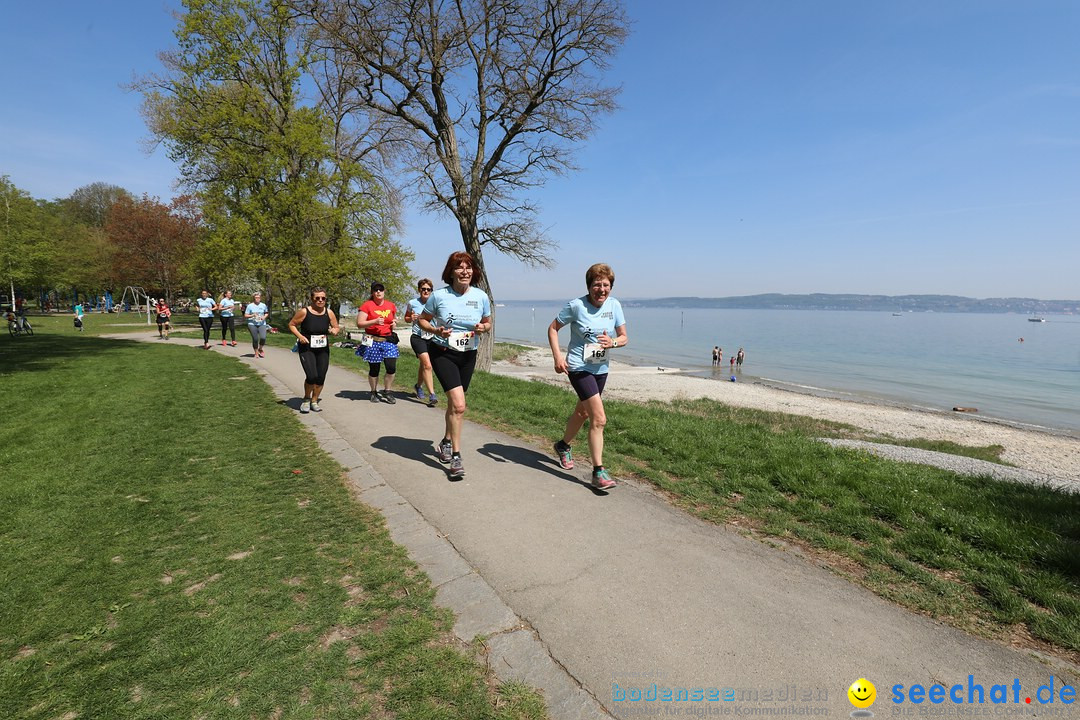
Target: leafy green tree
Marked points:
281	207
476	100
28	254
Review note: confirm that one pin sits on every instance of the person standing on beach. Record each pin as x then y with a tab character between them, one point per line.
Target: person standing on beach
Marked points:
419	342
256	314
596	325
228	322
310	325
739	358
376	318
207	306
715	355
455	315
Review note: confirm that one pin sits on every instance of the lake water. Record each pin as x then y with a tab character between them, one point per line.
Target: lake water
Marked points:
924	360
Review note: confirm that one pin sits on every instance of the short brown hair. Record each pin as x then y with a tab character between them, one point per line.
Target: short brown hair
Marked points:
599	270
425	281
455	259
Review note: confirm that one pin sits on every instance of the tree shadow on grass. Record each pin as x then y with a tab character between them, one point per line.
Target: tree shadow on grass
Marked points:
43	352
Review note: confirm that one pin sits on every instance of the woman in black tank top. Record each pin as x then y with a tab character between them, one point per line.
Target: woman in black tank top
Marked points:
311	326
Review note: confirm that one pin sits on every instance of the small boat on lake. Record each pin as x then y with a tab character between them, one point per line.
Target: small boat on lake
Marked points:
1036	319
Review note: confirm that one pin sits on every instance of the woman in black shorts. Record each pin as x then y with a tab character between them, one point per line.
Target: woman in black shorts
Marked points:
419	342
311	325
454	316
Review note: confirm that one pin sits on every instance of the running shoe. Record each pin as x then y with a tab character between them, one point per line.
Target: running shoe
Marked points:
457	468
374	397
315	407
222	343
305	406
387	397
446	451
433	400
233	343
420	395
601	480
566	459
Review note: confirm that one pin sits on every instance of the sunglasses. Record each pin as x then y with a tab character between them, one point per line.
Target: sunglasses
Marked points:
320	299
425	289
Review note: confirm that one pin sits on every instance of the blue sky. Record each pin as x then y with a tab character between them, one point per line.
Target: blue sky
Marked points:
761	145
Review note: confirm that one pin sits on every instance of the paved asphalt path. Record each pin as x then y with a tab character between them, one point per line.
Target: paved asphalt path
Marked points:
591	595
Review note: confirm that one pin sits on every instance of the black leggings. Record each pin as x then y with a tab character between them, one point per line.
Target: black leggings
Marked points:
228	323
391	367
206	323
315	363
453	368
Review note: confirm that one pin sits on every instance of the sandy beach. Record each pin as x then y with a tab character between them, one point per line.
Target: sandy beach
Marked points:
1057	456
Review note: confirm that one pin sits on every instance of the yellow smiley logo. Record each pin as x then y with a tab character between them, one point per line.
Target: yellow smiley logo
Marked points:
862	693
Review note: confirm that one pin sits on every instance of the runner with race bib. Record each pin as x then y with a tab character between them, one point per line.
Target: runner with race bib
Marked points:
455	315
419	342
597	325
310	325
376	318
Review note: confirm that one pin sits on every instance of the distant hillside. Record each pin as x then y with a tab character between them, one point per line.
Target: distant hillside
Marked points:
877	303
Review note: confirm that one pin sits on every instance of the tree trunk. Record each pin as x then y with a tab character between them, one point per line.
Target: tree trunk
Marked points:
470	236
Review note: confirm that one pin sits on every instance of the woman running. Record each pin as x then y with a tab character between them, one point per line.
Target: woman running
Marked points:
311	325
207	306
419	342
376	318
455	315
257	315
163	315
596	325
227	304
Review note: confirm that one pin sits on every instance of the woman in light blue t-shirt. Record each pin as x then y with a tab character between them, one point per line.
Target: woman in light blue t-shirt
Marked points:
455	316
226	304
257	315
207	306
596	325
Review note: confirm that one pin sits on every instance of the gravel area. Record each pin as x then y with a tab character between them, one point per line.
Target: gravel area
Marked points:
957	463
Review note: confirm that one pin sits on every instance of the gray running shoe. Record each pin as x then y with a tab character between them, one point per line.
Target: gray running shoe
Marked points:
374	397
305	406
601	480
387	397
457	468
315	407
446	450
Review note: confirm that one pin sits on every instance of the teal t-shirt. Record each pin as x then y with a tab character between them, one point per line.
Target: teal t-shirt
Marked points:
258	312
460	313
587	322
206	307
227	305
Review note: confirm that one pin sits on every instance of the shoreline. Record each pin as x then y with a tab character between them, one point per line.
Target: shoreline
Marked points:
1048	451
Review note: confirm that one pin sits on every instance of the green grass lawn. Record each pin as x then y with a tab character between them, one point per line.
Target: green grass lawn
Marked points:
173	544
995	558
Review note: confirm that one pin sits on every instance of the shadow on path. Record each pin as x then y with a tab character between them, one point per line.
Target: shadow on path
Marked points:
530	458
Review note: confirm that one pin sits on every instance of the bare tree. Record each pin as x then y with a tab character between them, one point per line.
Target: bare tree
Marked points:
478	100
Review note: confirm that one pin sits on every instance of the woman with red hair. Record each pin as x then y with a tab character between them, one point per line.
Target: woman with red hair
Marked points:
455	315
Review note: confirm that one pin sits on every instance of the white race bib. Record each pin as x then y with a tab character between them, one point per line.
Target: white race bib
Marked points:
366	341
594	354
318	341
425	335
463	340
